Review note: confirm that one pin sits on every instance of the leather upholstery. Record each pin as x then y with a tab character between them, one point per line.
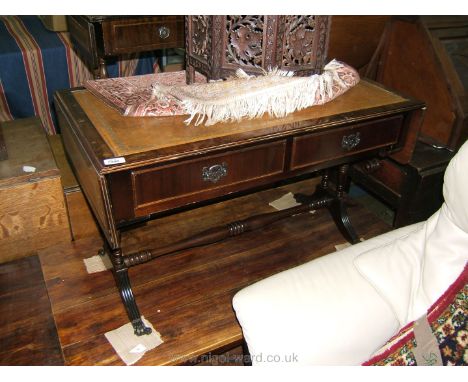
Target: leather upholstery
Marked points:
339	309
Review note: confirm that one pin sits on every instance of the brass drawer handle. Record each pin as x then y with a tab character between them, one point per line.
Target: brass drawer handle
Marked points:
350	141
164	32
214	173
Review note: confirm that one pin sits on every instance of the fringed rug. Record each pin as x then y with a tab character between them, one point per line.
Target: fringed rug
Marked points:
277	93
132	96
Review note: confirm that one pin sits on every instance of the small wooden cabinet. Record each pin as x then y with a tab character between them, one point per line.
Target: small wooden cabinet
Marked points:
32	207
100	37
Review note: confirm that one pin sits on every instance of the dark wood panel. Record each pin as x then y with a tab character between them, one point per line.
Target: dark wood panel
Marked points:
423	68
354	39
413	190
83	36
156	188
86	174
338	143
142	34
11	280
27	330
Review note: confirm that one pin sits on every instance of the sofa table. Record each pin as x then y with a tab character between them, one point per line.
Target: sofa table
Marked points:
132	169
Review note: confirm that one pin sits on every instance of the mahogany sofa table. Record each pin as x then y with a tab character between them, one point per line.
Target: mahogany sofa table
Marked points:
132	169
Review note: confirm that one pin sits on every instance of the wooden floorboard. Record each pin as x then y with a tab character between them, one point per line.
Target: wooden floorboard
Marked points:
27	330
186	296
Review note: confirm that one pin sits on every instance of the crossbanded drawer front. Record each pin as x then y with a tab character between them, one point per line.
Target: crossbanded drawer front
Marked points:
159	188
315	148
151	33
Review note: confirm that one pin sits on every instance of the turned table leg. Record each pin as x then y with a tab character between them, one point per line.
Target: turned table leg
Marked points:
338	208
125	289
336	202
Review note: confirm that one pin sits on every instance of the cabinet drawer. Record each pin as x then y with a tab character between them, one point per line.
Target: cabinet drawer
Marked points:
312	149
159	188
143	34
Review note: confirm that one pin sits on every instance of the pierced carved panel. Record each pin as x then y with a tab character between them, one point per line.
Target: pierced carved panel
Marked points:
244	40
201	36
300	35
218	45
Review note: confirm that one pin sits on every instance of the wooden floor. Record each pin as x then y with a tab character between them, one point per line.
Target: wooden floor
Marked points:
27	331
186	296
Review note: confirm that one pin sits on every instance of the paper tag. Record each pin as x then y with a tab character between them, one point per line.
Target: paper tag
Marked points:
110	161
140	348
97	263
29	169
426	351
285	202
131	347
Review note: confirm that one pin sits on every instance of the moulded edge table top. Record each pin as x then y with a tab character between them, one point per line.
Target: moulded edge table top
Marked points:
133	135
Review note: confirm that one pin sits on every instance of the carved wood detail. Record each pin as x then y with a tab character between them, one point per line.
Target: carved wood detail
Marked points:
218	45
244	40
200	36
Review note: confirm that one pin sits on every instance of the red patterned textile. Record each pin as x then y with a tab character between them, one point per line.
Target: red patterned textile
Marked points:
132	96
448	321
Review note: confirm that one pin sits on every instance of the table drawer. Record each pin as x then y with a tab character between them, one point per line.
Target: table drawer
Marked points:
315	148
160	188
143	34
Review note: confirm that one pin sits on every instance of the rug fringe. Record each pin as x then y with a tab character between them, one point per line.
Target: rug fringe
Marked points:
282	95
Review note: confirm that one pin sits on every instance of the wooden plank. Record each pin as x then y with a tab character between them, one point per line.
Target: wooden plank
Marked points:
32	216
187	296
82	222
69	181
28	334
353	39
11	279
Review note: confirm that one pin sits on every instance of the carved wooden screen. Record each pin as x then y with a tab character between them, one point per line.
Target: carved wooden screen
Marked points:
217	45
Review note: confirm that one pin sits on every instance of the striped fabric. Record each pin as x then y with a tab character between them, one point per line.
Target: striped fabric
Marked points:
5	114
35	62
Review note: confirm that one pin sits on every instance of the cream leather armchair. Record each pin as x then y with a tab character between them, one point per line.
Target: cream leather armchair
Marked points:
340	308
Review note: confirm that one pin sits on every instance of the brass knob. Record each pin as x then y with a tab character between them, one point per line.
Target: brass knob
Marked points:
164	32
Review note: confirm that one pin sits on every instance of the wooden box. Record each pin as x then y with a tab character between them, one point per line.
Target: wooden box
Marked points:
80	217
32	207
217	45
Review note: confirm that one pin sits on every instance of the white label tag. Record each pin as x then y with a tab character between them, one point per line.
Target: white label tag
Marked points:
29	169
110	161
140	348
